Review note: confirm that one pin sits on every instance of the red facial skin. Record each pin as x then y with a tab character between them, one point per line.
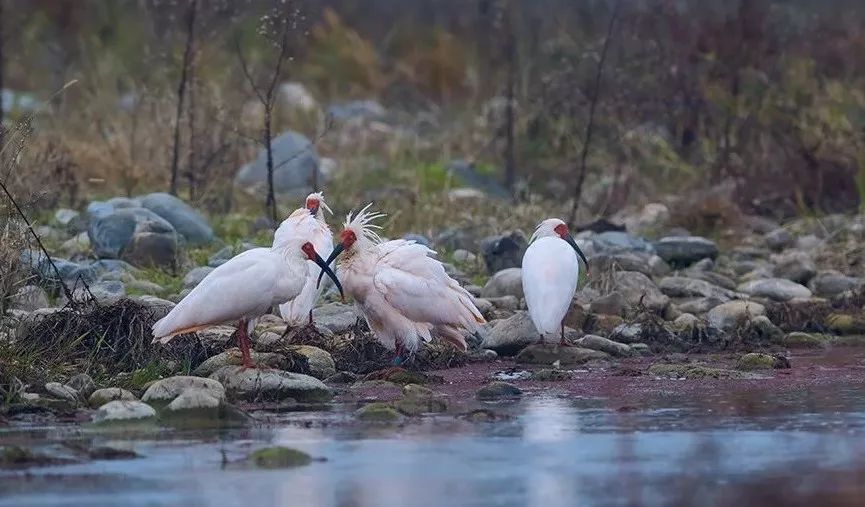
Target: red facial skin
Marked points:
309	250
561	230
312	205
347	238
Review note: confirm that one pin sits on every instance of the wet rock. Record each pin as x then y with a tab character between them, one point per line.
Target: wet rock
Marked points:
549	354
612	304
510	303
294	160
254	384
602	325
166	390
766	328
611	347
846	324
102	396
638	289
507	282
378	412
552	375
687	323
336	317
185	220
195	399
831	283
776	289
418	400
29	298
682	287
82	384
124	411
695	372
504	251
498	391
16	457
640	349
400	376
61	392
729	316
795	266
757	361
805	340
233	357
685	250
320	361
195	276
485	306
779	239
509	336
273	458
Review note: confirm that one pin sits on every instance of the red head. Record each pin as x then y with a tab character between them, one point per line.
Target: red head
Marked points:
312	204
562	231
347	238
309	251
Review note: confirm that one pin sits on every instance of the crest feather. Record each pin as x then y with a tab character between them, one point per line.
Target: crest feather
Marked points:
361	223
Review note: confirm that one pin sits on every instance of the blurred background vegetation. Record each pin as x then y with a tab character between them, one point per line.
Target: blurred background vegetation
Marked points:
759	100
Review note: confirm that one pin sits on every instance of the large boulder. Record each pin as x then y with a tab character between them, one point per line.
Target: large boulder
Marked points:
505	251
111	229
611	242
776	289
728	316
638	289
185	220
831	283
29	298
252	384
509	336
507	282
295	161
685	250
148	249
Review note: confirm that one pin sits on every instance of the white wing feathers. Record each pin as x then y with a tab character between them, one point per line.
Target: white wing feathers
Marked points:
417	286
242	286
296	311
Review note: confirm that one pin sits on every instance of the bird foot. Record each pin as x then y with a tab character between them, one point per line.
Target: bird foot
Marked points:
564	343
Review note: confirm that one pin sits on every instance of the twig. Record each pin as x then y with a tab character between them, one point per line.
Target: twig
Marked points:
181	91
596	93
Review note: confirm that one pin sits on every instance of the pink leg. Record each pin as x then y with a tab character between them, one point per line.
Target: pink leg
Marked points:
243	343
562	342
398	350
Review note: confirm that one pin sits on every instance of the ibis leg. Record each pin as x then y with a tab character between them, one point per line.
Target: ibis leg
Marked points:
243	343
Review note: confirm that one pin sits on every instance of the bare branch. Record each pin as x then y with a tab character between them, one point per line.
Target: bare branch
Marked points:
181	91
596	93
246	73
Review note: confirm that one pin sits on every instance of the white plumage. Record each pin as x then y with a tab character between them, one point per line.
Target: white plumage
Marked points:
403	293
550	272
242	289
307	222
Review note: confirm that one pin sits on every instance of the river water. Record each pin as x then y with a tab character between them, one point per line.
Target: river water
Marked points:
547	451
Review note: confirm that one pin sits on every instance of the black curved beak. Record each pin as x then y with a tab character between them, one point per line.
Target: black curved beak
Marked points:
326	269
570	240
336	251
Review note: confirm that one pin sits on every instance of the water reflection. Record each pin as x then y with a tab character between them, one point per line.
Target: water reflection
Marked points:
721	449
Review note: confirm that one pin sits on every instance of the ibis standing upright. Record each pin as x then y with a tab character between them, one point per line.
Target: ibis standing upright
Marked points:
242	290
307	222
404	293
550	272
